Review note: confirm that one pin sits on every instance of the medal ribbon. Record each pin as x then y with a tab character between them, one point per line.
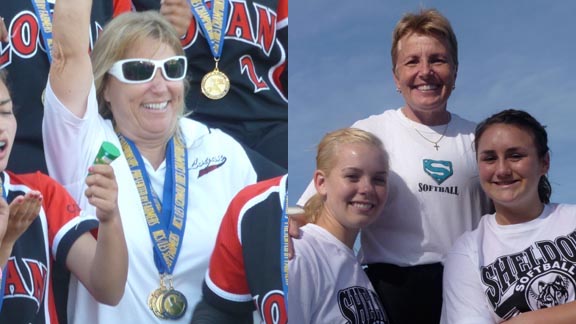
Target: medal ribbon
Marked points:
284	245
44	16
3	191
212	22
166	220
3	267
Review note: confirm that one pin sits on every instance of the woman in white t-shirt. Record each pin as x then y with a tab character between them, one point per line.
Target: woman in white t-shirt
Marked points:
327	284
519	265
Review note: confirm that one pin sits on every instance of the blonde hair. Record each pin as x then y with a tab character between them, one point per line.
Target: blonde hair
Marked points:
327	157
117	38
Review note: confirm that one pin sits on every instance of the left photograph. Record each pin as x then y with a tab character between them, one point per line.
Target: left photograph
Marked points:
143	158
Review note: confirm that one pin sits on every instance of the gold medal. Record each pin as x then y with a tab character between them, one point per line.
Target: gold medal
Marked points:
159	306
152	302
174	304
215	84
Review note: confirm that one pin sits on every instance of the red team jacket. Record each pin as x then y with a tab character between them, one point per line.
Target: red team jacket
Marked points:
245	268
42	248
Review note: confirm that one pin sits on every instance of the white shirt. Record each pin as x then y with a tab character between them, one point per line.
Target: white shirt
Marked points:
71	144
433	195
496	271
327	284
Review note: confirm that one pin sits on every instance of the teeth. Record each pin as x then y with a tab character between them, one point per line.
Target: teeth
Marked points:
505	183
156	106
2	144
363	206
427	87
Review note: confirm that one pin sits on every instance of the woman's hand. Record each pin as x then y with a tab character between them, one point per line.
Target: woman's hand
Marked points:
15	220
296	219
22	212
4	215
102	192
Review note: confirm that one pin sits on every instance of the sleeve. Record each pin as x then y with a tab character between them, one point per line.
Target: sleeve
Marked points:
282	13
463	294
121	6
226	286
205	313
301	280
66	222
71	143
143	5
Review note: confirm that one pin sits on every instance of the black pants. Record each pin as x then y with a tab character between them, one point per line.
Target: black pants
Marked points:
410	295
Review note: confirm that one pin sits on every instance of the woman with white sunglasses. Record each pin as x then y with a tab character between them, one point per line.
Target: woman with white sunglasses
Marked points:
175	176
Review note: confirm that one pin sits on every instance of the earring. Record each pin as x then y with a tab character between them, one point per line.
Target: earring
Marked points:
398	90
453	87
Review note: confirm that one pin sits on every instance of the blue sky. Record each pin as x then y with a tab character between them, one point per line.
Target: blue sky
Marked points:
513	54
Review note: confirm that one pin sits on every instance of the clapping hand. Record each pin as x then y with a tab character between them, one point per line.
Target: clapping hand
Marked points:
22	212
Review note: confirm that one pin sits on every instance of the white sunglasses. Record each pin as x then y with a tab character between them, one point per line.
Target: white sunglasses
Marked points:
140	70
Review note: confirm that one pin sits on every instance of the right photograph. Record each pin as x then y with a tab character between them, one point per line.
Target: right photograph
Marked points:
431	162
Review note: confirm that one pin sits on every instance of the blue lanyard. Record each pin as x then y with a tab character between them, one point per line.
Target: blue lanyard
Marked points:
284	246
44	16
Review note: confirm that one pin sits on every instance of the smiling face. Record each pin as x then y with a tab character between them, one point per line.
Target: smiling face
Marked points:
425	73
355	190
510	168
7	125
146	111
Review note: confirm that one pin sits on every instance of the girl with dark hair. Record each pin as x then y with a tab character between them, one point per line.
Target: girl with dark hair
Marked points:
519	265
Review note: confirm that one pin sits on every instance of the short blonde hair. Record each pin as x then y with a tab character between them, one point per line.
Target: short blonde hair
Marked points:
429	22
327	157
119	35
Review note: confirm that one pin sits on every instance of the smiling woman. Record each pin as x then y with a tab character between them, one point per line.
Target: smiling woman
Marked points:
176	176
433	178
518	266
351	180
513	170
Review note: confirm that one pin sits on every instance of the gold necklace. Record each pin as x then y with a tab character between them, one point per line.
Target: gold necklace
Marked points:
436	146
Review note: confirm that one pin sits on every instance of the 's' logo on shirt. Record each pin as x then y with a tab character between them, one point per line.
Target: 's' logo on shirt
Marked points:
438	170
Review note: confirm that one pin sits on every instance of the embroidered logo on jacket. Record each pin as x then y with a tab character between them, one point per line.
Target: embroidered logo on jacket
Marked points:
207	165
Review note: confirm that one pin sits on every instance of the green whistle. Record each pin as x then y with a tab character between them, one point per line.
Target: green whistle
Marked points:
107	153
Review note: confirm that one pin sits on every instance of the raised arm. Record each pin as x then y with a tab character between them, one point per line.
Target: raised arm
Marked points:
178	13
71	69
